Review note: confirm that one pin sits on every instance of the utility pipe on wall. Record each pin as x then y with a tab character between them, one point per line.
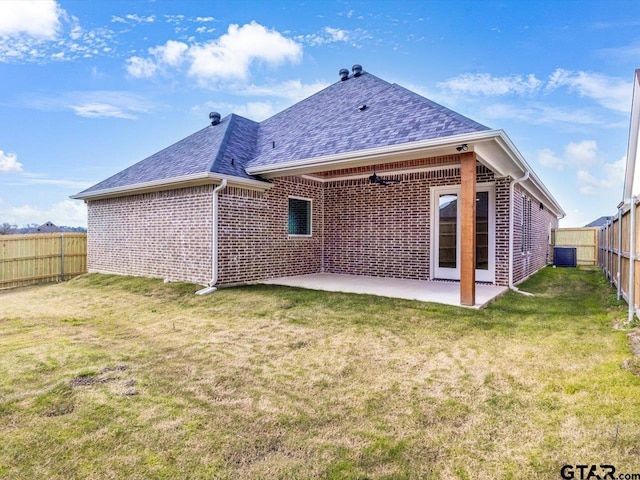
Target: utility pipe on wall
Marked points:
511	204
214	242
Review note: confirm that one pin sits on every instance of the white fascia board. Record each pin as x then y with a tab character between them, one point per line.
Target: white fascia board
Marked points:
494	148
183	181
388	153
631	182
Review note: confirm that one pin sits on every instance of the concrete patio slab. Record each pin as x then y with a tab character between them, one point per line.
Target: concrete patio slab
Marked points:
447	293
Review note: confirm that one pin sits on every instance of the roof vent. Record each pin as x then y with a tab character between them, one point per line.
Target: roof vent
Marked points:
357	70
344	74
214	117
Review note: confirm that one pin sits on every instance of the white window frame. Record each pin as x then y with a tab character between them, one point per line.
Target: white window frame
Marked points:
488	275
303	235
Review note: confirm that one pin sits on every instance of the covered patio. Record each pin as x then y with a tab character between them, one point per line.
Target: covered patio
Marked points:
447	293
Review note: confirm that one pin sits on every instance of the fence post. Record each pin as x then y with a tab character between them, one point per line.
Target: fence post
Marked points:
610	250
619	275
632	260
62	257
606	252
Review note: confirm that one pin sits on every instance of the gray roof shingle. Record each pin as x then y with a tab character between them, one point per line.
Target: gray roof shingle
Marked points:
331	121
208	150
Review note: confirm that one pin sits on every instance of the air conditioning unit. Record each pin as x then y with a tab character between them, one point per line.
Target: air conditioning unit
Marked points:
565	257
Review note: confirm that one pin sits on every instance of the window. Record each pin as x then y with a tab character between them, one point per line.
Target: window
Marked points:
525	230
299	216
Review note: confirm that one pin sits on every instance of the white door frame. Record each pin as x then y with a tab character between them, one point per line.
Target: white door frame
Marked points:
454	273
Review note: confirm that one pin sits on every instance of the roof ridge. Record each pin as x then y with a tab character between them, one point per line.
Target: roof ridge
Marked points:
223	143
351	78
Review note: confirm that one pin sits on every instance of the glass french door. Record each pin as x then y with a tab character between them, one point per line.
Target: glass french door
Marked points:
445	214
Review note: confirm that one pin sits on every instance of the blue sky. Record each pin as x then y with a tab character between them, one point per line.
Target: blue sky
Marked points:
88	88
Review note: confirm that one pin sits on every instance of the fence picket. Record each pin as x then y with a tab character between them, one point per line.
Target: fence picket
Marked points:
42	257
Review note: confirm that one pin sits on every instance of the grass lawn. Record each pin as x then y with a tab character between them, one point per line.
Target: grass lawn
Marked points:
120	377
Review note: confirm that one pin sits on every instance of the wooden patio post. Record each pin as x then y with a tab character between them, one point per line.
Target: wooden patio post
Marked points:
468	230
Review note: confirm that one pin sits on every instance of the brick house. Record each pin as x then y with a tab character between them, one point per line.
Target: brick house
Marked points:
362	178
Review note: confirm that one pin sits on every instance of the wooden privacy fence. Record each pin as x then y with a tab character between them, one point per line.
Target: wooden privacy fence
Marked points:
42	257
585	240
615	246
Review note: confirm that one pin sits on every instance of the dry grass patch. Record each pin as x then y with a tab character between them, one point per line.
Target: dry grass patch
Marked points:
117	377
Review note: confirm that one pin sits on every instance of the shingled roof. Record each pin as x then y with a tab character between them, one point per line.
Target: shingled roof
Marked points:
208	150
359	113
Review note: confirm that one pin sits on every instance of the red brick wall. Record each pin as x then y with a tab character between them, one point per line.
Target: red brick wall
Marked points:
542	221
502	231
357	228
384	231
161	234
253	233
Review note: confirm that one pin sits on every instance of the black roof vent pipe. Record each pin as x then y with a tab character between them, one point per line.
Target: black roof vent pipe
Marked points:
215	118
344	74
357	70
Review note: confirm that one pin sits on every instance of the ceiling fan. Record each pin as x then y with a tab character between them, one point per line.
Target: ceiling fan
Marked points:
382	181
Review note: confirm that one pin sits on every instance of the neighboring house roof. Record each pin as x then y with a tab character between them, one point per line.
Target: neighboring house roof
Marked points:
632	174
363	119
599	222
48	227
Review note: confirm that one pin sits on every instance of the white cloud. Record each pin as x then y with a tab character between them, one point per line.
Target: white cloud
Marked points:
171	53
231	55
548	159
94	104
106	104
138	19
226	58
615	170
485	84
609	92
9	163
141	67
580	154
67	212
257	111
541	114
56	37
40	179
100	110
327	35
590	185
626	52
204	29
34	18
611	176
205	19
175	19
